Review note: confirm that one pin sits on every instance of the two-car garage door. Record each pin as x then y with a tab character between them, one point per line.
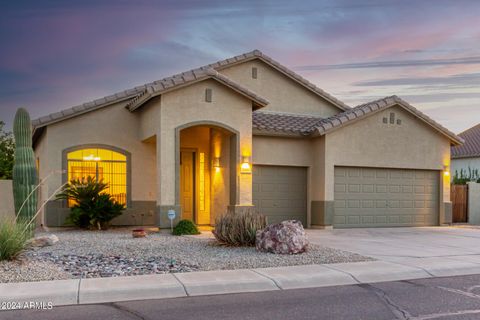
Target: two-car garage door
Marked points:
376	197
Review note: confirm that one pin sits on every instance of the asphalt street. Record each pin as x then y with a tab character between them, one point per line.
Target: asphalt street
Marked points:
433	298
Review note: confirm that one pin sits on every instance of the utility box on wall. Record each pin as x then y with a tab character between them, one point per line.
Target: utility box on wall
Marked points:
7	209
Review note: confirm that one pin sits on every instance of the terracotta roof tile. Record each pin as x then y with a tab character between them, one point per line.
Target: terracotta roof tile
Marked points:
282	122
325	125
196	73
471	147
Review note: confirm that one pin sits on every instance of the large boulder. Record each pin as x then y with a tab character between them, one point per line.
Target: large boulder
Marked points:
43	241
286	237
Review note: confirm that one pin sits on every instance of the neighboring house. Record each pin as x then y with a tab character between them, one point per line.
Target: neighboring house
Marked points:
467	156
248	131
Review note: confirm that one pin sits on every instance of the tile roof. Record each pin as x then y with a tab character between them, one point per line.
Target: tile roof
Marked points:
326	125
319	126
471	147
186	78
282	123
257	54
181	79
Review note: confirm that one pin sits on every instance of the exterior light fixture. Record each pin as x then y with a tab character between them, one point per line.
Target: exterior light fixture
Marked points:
245	167
446	173
216	164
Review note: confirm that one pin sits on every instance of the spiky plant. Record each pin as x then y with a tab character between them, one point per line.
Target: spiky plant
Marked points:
24	170
239	228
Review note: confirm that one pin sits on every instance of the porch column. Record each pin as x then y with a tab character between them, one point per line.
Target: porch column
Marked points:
166	178
243	177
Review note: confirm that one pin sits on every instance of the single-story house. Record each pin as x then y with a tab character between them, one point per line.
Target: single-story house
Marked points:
466	157
247	131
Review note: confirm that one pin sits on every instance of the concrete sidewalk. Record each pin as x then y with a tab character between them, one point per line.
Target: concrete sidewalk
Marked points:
98	290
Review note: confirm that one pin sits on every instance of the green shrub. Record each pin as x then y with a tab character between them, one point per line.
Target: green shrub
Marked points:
185	227
239	229
13	238
93	208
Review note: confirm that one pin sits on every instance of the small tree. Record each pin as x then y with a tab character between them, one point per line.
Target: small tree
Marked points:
7	150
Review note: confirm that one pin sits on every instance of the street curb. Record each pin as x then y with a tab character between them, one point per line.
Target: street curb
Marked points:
116	289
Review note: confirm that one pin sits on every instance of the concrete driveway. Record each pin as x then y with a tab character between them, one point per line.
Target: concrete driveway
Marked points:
458	247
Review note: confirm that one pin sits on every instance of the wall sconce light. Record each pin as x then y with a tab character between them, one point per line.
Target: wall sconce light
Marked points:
245	166
446	173
216	164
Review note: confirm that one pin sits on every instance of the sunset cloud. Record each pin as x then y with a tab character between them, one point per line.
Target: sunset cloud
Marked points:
56	54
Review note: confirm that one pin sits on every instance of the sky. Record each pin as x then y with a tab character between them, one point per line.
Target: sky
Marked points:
58	54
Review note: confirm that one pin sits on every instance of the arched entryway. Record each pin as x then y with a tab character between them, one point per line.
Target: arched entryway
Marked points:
206	166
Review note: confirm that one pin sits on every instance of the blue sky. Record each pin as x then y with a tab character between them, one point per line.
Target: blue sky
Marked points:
57	54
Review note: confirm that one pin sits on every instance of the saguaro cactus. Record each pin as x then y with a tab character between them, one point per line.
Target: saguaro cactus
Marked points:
24	170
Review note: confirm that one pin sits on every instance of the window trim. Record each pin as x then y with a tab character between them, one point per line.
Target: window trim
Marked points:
127	154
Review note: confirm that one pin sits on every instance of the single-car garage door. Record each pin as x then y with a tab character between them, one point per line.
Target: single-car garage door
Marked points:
377	197
280	192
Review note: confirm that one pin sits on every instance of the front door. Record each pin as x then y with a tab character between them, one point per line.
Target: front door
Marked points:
187	184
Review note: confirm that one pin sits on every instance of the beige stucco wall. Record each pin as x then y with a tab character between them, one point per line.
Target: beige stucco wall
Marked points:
372	143
282	151
114	126
188	106
149	119
283	93
7	210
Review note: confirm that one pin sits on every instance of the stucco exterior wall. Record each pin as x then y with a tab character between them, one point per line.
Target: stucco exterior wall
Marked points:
188	106
283	93
282	151
474	203
149	120
7	210
44	172
114	126
372	143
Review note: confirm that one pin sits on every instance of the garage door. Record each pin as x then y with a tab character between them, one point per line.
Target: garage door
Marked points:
280	192
374	197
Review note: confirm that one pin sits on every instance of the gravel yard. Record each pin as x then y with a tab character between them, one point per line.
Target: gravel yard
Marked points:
116	253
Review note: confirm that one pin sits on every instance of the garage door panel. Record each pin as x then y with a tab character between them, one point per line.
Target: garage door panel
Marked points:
369	197
280	192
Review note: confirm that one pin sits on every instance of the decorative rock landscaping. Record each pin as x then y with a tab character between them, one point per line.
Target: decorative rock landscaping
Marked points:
116	253
286	237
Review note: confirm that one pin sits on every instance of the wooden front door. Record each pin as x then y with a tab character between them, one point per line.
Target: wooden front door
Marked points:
187	184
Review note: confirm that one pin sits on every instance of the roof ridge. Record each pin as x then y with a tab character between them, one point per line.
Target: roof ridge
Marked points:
289	114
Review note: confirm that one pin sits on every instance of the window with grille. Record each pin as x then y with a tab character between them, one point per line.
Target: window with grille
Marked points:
103	165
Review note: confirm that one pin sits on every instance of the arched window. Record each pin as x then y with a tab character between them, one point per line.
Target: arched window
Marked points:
101	164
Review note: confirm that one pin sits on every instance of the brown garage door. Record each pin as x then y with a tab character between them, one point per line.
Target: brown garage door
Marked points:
377	197
280	192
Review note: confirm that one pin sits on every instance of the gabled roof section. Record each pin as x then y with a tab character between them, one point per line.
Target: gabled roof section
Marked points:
471	147
188	78
327	125
141	93
257	54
